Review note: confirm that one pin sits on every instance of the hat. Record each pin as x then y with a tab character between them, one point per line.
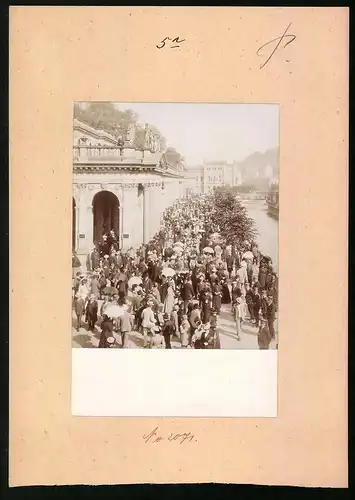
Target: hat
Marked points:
106	256
110	340
166	316
92	296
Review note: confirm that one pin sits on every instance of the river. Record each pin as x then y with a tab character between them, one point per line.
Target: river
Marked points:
267	227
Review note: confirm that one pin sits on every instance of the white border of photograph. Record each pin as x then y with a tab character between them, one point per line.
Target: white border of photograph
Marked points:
175	383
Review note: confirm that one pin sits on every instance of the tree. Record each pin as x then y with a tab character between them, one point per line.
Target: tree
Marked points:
173	157
227	213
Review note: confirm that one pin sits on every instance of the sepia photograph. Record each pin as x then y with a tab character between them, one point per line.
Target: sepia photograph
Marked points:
175	213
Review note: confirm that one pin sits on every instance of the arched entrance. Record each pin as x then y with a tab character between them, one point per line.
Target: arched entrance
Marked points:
74	226
106	212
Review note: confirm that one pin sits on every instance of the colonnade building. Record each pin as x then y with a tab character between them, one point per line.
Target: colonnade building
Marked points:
120	188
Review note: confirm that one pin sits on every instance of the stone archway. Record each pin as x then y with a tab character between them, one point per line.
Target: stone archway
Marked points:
106	214
74	225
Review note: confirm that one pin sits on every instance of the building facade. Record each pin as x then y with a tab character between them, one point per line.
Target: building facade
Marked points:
211	174
204	178
120	188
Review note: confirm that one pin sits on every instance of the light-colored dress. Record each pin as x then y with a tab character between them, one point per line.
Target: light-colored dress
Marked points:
169	300
185	333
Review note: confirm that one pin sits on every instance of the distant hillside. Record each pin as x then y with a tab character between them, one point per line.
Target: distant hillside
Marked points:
255	165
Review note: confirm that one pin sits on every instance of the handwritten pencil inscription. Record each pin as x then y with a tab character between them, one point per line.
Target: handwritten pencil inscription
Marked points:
275	43
155	436
172	43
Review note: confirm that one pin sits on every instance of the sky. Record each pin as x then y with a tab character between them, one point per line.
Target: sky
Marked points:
223	132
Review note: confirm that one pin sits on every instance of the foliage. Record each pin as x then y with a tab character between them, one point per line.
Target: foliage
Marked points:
231	217
173	156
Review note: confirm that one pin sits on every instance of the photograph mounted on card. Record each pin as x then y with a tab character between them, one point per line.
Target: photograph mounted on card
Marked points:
178	188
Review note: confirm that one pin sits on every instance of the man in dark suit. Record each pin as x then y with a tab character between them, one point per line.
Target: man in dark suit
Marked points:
257	306
147	283
91	312
188	292
270	315
229	262
163	289
167	331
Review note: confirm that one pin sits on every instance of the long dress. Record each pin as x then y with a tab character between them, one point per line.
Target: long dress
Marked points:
169	300
206	308
217	297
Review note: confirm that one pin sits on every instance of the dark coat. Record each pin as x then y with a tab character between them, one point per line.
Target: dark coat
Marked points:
257	302
163	289
188	291
107	329
264	338
91	310
270	312
229	262
264	307
168	328
147	285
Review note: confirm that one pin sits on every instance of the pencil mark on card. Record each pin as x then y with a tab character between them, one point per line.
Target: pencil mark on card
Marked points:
155	436
275	43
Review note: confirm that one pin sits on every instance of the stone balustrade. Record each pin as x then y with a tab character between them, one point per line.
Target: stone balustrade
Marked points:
108	153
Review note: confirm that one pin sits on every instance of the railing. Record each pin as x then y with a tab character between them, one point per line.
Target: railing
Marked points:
105	153
114	154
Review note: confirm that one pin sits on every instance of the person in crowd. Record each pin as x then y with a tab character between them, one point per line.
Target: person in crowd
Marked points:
264	336
270	315
94	286
170	297
104	306
167	330
249	299
148	321
125	325
91	312
175	319
106	331
185	331
256	306
217	297
206	304
264	303
238	316
188	292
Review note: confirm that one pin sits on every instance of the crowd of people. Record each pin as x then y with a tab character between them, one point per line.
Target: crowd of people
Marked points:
174	287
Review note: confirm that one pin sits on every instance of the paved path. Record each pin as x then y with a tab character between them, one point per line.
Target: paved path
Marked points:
227	332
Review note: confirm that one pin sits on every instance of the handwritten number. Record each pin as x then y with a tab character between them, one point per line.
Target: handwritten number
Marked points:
278	40
174	40
163	42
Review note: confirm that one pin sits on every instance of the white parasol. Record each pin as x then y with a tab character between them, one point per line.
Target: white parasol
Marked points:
208	250
167	271
179	244
115	311
248	255
135	280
